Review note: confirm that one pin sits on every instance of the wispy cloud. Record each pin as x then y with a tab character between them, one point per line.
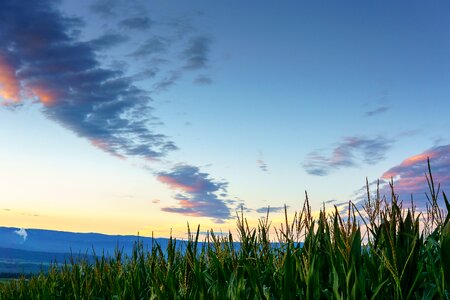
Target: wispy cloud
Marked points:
274	209
22	233
196	52
105	8
203	80
330	201
262	165
378	104
197	194
376	111
195	56
108	40
350	152
155	44
167	81
145	74
136	23
41	60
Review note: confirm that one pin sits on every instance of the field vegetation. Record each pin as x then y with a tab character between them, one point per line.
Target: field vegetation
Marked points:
378	251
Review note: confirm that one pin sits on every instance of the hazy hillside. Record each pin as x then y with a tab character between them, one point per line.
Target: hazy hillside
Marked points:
31	250
65	242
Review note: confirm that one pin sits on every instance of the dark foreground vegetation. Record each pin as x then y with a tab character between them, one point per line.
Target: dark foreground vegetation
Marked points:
379	251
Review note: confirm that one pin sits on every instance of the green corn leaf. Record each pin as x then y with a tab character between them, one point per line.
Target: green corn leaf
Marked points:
378	289
447	204
445	254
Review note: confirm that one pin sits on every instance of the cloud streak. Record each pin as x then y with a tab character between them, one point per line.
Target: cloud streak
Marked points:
377	111
197	194
262	165
136	23
350	152
196	53
108	40
42	61
275	209
153	45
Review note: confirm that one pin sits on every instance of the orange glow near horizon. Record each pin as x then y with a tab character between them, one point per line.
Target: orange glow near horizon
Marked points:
9	85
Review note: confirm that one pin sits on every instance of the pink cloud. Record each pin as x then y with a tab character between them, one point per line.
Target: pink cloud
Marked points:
409	176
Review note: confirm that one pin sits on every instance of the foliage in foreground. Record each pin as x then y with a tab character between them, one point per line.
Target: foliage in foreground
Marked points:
380	252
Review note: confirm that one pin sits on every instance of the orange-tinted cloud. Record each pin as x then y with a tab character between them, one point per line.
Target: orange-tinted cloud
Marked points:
409	176
9	84
440	153
45	95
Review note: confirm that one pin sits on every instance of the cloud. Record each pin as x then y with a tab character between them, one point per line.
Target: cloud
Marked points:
347	153
167	82
40	60
197	193
22	233
145	74
105	8
136	23
376	111
262	165
195	56
196	53
203	80
409	176
275	209
153	45
108	40
330	201
9	84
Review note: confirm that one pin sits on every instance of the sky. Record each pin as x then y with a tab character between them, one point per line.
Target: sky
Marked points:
126	117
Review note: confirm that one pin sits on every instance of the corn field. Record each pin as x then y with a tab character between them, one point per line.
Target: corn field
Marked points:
379	251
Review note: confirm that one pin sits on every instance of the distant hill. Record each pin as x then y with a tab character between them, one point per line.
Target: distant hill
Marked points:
53	241
32	250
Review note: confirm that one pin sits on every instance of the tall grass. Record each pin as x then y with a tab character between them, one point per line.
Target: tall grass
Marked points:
379	251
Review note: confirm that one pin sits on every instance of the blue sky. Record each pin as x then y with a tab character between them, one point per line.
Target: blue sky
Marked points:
126	117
